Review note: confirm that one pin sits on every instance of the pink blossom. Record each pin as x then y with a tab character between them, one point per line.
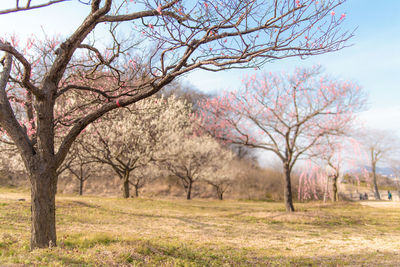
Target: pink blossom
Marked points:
333	13
343	16
159	9
151	26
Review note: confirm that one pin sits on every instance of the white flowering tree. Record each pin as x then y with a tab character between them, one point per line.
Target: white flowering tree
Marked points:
79	165
127	140
191	158
223	172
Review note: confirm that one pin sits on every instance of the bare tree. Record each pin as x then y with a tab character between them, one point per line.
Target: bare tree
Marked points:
168	39
380	146
287	115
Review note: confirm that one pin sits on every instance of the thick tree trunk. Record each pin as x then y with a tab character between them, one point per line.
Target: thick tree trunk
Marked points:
189	190
288	190
335	189
125	184
376	190
43	207
125	192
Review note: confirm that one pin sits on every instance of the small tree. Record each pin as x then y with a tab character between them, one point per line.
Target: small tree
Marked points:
329	154
192	158
222	177
79	165
141	176
284	114
380	145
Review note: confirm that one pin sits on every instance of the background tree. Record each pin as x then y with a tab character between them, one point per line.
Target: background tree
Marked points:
223	175
11	164
284	114
329	153
79	165
192	158
185	92
380	146
128	139
167	40
143	175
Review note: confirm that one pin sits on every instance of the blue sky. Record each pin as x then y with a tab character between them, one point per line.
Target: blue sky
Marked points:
373	61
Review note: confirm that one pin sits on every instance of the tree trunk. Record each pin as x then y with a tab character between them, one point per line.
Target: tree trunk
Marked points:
125	185
137	191
80	186
189	190
220	193
43	208
376	190
288	190
335	189
326	189
125	192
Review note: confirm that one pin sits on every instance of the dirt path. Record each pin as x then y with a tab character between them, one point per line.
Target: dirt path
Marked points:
15	196
381	204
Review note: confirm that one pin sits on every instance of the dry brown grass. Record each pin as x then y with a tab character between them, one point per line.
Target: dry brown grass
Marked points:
94	231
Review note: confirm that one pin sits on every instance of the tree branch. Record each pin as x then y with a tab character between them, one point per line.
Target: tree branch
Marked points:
8	120
6	47
29	7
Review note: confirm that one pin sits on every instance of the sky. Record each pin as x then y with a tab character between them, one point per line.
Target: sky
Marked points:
372	60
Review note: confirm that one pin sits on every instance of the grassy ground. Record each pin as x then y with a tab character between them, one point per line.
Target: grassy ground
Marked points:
95	231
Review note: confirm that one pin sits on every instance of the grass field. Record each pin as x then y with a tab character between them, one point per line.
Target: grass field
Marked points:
94	231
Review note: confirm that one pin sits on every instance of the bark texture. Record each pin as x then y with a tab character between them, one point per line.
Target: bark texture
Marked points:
335	188
43	207
125	192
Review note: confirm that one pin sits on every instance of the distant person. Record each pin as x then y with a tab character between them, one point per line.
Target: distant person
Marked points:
365	196
361	197
389	195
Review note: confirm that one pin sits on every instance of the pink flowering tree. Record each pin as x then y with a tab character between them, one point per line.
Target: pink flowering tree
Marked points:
285	114
328	166
167	38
